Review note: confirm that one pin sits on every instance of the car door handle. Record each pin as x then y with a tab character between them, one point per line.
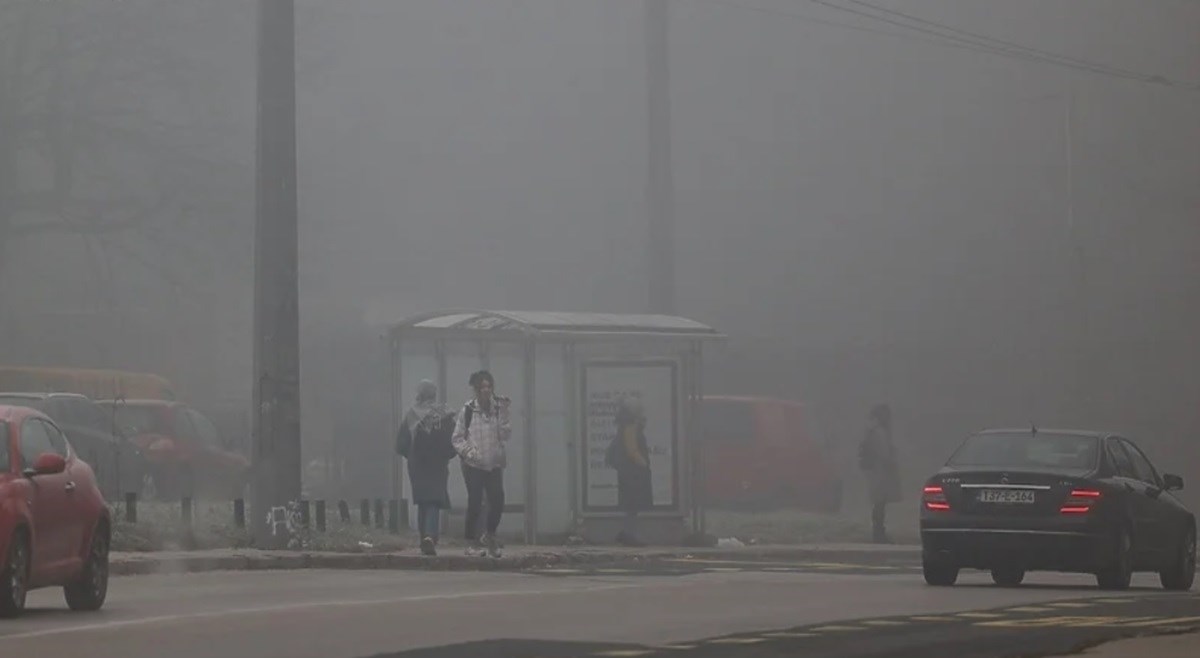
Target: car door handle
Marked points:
70	487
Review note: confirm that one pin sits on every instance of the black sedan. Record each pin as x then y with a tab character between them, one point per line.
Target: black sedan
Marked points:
1013	501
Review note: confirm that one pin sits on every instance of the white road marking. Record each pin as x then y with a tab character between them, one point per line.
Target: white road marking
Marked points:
234	612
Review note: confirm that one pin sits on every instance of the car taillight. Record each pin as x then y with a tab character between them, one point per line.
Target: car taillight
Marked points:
935	498
1080	501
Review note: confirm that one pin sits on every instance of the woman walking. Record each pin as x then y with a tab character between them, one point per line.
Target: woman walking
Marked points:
424	441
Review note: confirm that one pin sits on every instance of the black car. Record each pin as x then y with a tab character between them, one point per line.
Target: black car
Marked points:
1013	501
119	466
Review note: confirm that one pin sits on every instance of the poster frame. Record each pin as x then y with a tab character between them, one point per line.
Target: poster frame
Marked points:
673	366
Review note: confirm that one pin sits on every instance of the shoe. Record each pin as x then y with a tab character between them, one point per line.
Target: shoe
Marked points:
475	549
493	547
428	547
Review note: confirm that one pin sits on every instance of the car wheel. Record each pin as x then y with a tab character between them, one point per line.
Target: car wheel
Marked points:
1180	575
14	580
1120	573
89	592
1008	576
939	574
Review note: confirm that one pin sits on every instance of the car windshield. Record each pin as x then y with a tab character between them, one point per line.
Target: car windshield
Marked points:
136	420
1029	450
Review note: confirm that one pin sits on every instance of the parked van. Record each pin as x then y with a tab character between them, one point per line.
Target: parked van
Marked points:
95	384
759	453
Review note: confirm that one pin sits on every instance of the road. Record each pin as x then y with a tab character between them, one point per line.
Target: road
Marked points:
726	609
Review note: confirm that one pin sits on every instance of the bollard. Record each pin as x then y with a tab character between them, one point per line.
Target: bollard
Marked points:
320	516
239	513
131	507
344	511
394	516
186	509
364	511
378	512
305	515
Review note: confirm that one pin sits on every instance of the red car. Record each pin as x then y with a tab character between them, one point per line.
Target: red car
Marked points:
54	525
759	453
184	450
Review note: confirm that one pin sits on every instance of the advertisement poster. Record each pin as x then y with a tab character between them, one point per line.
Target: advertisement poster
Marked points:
652	385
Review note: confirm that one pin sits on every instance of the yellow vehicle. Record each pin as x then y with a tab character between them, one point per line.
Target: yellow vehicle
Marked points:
95	384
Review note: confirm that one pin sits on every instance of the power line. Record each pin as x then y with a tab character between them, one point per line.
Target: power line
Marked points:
980	44
1016	47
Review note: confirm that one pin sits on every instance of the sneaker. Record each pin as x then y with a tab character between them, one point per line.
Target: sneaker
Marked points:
475	549
493	547
428	547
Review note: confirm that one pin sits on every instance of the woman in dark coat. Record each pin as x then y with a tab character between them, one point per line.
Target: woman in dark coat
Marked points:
424	441
631	459
878	460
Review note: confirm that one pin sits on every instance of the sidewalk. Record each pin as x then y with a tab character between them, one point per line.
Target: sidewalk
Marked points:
1161	646
515	558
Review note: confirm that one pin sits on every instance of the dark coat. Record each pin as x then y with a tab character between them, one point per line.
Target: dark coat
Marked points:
428	455
878	460
635	490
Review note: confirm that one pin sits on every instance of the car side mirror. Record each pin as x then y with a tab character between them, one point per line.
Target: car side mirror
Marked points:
1172	482
47	463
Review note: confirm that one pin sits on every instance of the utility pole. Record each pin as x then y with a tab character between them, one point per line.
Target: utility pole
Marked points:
276	458
660	253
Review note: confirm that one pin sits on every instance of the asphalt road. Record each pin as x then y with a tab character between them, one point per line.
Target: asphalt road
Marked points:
696	610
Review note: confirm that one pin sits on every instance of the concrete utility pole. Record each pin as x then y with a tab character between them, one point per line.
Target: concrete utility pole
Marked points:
660	253
276	458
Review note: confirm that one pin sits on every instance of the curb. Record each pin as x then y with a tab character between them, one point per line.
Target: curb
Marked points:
141	564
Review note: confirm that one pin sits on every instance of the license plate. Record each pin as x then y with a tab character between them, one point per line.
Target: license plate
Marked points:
1006	496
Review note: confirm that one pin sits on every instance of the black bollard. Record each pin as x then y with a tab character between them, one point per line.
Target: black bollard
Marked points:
186	509
131	507
239	513
344	511
394	516
378	512
320	516
305	515
364	512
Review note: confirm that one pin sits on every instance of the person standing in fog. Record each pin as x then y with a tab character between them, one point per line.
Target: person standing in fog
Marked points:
877	458
629	454
480	434
424	440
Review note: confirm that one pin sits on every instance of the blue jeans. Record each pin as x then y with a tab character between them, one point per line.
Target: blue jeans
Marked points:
429	521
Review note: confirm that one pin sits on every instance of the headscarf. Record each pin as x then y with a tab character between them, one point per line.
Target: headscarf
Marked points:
425	413
630	411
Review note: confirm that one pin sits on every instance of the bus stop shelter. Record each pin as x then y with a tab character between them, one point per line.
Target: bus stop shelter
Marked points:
566	373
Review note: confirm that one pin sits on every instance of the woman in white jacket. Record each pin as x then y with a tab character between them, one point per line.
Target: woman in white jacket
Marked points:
480	435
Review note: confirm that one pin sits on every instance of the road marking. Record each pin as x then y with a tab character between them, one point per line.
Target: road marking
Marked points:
291	607
1029	608
884	622
788	634
559	571
1163	622
738	640
1069	604
932	618
1085	622
678	647
836	629
1129	600
980	615
725	569
625	653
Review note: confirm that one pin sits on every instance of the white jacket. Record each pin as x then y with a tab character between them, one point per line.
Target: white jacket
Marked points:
482	444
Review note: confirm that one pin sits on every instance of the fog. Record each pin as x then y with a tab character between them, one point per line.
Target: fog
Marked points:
871	213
